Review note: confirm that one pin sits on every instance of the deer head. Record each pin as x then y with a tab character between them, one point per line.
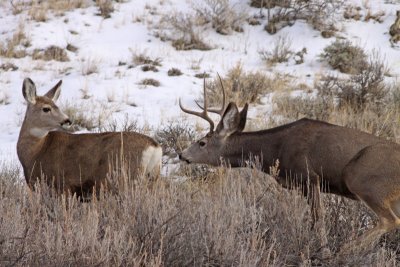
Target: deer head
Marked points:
42	114
210	148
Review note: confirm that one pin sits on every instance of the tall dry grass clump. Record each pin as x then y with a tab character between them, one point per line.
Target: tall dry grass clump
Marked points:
15	47
236	218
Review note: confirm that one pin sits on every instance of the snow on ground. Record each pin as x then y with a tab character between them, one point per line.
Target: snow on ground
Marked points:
106	43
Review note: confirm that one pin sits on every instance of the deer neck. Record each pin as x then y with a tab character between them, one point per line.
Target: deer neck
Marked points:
247	147
30	142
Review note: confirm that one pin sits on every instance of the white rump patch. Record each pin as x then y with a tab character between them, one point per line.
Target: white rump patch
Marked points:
151	159
38	132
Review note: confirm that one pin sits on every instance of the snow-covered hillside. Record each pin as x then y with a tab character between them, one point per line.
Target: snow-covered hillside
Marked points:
101	75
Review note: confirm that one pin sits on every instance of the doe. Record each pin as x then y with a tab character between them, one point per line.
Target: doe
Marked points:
75	162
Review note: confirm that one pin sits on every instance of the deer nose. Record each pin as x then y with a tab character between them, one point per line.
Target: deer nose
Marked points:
66	122
183	159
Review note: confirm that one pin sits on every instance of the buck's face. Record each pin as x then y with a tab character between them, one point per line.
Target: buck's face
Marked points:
216	144
207	150
42	114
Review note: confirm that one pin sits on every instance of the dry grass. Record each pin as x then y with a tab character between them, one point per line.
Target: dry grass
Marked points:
51	53
90	65
14	47
232	219
39	10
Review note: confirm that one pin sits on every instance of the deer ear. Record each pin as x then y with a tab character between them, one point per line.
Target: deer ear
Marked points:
29	91
229	122
243	118
54	93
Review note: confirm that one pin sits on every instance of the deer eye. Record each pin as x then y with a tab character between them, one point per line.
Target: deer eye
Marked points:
202	143
46	110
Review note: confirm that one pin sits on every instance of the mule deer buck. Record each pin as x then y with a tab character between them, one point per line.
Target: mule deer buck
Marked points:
353	164
75	162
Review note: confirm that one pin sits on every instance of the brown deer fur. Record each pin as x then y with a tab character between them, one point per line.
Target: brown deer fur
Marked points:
76	162
330	158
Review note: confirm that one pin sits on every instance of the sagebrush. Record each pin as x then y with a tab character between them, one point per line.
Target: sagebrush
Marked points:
234	218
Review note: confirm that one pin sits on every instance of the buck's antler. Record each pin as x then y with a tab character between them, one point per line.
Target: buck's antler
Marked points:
203	114
218	111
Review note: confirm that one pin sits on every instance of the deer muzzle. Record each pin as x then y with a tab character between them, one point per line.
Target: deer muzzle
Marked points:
66	122
183	159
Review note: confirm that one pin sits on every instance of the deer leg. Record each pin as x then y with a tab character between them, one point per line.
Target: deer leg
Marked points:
388	213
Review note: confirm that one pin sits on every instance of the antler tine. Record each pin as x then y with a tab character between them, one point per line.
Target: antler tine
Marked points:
223	94
202	114
222	109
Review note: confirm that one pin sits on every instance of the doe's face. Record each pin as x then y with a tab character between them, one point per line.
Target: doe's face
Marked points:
46	115
42	114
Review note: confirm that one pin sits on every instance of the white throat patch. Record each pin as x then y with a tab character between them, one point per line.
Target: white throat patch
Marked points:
38	132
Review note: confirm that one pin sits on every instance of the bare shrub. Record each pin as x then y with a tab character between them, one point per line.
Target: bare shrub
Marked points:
182	31
126	125
394	29
72	48
173	137
143	59
365	88
244	87
106	7
149	81
294	108
362	101
345	56
202	75
269	3
88	116
319	13
281	51
221	14
152	68
174	72
51	53
8	66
